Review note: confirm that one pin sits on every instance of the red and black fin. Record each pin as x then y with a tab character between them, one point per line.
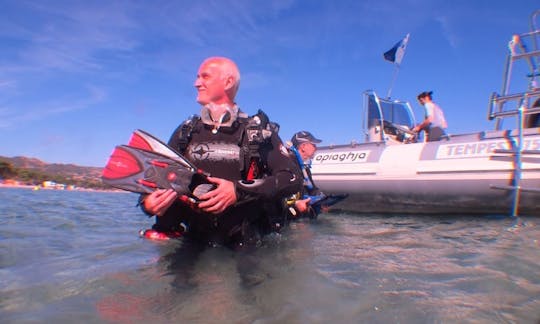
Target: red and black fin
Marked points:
138	170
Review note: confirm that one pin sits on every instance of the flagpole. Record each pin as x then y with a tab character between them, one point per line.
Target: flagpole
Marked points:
395	55
396	71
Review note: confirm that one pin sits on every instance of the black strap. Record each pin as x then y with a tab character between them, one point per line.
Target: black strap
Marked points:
186	130
258	132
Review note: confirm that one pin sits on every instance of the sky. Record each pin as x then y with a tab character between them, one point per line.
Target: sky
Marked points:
77	77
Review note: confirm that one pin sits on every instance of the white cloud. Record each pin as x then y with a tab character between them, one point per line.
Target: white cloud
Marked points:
4	84
448	32
13	116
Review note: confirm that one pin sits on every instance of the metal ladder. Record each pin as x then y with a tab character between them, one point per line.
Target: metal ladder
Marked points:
518	50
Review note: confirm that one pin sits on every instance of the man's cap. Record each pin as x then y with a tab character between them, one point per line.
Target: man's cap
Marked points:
304	137
425	94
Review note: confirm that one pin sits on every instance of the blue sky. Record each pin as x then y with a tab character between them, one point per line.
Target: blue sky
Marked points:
77	77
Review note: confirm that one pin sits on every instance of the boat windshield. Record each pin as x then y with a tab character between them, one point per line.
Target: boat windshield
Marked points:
382	114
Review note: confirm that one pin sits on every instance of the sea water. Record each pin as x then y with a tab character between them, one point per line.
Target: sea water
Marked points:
70	256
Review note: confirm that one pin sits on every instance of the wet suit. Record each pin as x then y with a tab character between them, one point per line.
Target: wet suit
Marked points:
228	152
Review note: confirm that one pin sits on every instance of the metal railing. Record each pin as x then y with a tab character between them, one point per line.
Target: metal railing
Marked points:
518	50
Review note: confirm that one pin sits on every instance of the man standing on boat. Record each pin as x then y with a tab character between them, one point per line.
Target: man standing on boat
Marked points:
434	123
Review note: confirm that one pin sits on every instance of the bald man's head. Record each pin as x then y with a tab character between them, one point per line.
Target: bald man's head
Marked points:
218	77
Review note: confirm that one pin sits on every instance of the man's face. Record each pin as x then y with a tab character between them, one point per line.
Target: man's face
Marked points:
307	150
210	84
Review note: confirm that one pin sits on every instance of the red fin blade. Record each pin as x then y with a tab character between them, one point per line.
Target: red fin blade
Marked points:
147	183
139	141
160	164
121	164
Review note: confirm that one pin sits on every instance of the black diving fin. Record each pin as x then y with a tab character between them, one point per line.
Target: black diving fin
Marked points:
325	201
139	170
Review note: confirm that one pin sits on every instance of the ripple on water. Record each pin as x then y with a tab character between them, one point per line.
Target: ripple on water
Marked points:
68	256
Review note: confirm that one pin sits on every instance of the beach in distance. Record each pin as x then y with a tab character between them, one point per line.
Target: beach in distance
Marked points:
69	256
39	187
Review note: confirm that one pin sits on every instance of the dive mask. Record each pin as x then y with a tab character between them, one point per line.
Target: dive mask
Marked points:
226	120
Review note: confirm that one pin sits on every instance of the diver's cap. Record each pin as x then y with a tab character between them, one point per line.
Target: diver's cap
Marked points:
304	137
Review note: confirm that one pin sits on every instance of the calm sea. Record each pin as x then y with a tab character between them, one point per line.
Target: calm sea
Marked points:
76	257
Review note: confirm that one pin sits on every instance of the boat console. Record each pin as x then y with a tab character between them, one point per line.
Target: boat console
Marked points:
388	121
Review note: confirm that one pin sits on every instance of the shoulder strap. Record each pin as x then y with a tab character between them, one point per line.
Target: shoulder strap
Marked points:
257	133
186	129
305	168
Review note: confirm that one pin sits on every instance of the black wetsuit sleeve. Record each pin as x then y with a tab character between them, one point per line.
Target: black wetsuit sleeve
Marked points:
140	203
282	177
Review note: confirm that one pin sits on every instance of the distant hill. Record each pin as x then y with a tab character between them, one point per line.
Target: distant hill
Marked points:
70	172
57	168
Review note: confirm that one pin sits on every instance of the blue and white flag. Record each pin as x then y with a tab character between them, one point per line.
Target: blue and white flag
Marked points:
395	54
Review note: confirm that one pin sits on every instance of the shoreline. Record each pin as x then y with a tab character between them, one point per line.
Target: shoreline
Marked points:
37	188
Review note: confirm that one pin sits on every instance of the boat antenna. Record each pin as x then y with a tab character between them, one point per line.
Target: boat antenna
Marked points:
395	55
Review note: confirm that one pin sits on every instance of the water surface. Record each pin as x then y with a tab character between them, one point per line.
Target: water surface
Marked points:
68	256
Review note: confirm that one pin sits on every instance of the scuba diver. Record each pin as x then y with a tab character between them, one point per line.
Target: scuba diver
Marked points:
303	147
249	167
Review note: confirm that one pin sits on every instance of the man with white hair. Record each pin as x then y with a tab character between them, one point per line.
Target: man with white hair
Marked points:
248	164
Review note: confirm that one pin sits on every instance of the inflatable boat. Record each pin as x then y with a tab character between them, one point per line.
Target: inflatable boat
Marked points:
490	172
